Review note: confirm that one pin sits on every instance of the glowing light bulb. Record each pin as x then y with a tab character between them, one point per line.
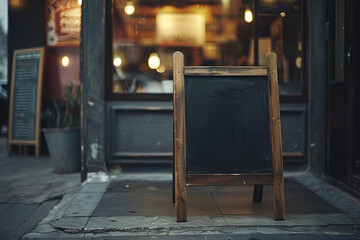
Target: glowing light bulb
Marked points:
16	3
65	61
117	62
248	16
129	8
161	69
154	61
282	14
80	2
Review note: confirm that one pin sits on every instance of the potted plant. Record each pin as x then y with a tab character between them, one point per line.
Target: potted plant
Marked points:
63	140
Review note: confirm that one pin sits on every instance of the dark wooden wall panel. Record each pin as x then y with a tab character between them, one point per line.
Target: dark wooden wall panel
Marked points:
293	128
139	131
142	131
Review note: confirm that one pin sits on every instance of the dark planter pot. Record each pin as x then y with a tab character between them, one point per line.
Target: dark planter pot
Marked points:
64	148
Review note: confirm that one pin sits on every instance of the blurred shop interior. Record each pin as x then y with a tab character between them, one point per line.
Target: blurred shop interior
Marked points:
216	32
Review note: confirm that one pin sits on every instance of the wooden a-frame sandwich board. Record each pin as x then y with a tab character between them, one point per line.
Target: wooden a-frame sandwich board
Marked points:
211	79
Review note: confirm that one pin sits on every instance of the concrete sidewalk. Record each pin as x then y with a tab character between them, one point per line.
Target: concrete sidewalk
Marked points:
29	189
138	206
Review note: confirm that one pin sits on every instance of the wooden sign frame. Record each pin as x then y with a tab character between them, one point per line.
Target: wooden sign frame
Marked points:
181	179
36	140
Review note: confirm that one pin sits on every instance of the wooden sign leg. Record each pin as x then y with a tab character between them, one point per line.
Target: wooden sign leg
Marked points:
173	181
279	196
258	193
179	138
275	133
26	150
180	199
9	148
37	150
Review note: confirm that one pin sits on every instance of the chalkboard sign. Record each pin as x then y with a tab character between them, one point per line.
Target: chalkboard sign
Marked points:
25	98
227	130
221	124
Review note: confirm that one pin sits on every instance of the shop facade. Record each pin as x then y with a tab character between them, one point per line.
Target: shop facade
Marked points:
138	66
131	107
125	70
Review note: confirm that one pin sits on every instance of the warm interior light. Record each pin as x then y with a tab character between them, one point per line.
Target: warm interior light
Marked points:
117	62
80	2
161	69
16	3
282	14
129	8
65	61
225	3
154	61
248	16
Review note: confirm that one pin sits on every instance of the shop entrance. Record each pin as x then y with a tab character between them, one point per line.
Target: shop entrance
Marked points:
343	98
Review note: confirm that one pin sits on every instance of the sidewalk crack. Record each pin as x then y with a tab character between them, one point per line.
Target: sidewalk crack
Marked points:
217	206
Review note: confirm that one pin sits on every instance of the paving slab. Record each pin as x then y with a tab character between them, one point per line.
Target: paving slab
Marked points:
201	203
139	207
150	198
291	220
145	223
246	234
31	180
4	208
123	185
29	189
70	224
30	222
342	200
19	219
83	205
249	237
99	188
130	204
239	237
131	198
15	215
238	200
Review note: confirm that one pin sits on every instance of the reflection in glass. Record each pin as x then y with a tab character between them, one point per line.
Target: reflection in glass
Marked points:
281	33
208	33
145	40
248	16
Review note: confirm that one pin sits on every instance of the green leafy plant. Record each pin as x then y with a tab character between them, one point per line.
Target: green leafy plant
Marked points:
71	94
47	116
66	118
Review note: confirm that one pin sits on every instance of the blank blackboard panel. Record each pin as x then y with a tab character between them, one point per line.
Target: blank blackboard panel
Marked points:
227	125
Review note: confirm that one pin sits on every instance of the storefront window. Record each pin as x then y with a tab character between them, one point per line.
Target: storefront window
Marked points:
146	33
279	30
